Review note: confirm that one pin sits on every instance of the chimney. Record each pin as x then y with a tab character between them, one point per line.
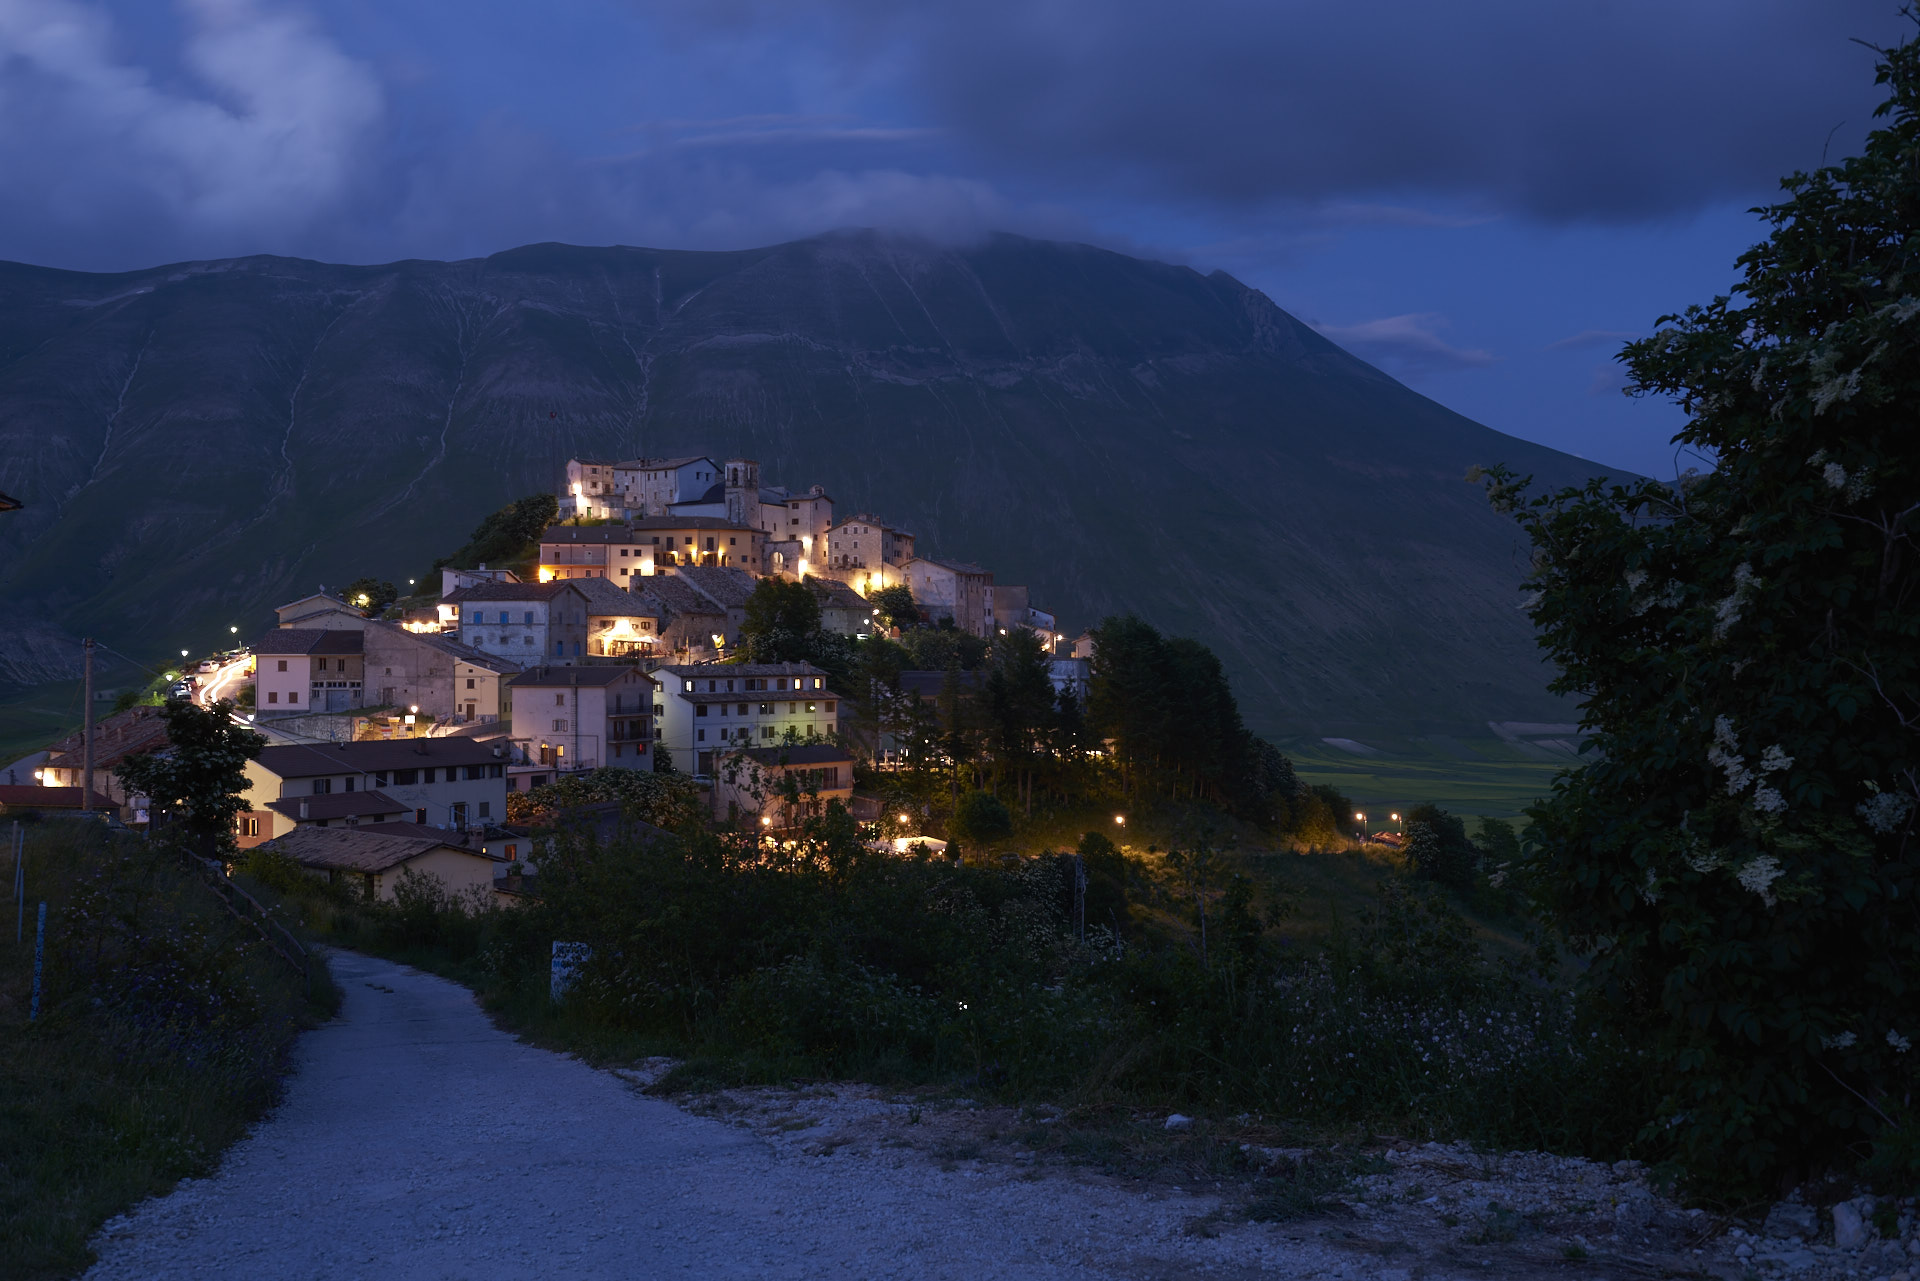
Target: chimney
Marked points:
303	809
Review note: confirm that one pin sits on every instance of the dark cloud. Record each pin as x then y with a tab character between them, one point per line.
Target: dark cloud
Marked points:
1615	110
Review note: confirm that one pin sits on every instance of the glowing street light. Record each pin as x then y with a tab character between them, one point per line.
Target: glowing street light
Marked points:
1403	824
183	653
1120	820
234	630
904	818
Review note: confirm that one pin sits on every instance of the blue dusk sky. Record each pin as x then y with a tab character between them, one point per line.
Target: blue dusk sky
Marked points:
1484	197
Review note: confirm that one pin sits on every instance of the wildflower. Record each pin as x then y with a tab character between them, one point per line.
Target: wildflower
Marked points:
1844	1041
1759	875
1635	578
1775	759
1899	1043
1884	812
1835	475
1768	800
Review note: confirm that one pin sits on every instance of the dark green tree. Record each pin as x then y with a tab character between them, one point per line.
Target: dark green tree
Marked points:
195	783
509	537
371	594
1438	849
980	819
782	623
896	606
1736	863
1019	705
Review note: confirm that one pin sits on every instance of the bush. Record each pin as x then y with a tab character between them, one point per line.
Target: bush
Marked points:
1437	848
980	819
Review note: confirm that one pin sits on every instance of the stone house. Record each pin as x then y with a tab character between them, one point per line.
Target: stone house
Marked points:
526	622
648	545
375	861
951	589
867	553
433	672
582	718
708	708
778	788
619	624
304	669
442	782
842	610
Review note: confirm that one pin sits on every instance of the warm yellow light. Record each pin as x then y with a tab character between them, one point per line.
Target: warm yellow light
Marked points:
234	630
765	821
546	575
415	708
905	818
1359	818
1394	817
1121	819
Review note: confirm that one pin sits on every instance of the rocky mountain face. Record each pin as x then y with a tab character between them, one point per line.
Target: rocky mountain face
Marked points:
198	442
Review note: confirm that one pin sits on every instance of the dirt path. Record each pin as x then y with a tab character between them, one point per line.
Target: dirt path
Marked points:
417	1140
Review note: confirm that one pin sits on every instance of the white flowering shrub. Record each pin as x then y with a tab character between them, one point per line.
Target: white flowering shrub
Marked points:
1736	862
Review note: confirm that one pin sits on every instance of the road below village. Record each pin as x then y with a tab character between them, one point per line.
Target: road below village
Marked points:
417	1140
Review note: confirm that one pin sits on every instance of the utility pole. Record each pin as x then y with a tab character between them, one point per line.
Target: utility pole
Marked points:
86	736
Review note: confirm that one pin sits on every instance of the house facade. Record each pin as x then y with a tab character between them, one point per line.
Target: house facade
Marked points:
777	788
322	611
582	718
527	622
713	708
374	861
434	673
867	553
647	545
454	783
951	589
298	670
619	624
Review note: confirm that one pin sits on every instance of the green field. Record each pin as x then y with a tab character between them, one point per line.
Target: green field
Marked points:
33	717
1482	777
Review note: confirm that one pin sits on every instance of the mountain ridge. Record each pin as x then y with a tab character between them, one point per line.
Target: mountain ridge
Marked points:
199	440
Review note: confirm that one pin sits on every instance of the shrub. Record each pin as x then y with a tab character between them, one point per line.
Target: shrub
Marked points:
980	819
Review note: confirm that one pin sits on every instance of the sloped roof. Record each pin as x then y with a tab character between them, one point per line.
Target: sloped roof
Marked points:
723	670
951	566
647	523
556	534
301	761
310	640
337	805
598	674
349	849
677	597
505	591
662	464
723	584
833	592
28	796
864	518
446	644
124	734
605	597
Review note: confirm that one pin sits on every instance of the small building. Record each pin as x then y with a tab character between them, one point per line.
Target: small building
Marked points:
706	709
453	783
303	669
951	589
692	624
619	624
649	486
867	553
336	809
321	610
374	862
20	799
648	545
130	733
526	622
434	673
843	611
1071	676
781	787
583	718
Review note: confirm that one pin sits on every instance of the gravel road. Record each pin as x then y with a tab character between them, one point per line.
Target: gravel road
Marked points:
417	1140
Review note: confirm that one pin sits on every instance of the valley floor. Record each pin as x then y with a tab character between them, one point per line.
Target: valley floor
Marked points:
418	1140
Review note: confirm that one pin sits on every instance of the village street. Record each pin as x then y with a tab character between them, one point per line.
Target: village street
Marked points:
417	1140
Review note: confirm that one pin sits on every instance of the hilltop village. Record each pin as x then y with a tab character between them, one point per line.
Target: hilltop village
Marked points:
624	644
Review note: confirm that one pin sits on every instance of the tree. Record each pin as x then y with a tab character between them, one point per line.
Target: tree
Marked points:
510	536
980	819
1019	704
1736	862
371	594
895	606
1438	849
194	784
782	622
663	760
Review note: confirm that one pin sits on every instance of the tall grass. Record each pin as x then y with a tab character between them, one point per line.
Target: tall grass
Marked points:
163	1030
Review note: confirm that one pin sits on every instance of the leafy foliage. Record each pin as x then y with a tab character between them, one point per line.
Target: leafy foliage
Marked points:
511	536
195	783
895	605
1438	848
666	800
980	819
371	594
1737	861
782	622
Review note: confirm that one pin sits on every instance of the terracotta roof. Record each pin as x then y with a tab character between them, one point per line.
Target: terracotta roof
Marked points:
325	596
300	761
723	584
50	798
823	754
676	597
832	592
311	640
504	591
337	805
598	674
606	598
724	670
351	849
953	566
124	734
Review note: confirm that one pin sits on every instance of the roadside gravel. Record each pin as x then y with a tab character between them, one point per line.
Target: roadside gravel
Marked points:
417	1140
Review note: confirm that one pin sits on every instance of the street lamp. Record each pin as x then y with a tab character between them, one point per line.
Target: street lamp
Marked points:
183	653
1361	819
1403	824
1120	820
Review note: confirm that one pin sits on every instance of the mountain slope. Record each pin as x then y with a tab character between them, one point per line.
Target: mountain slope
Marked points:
197	442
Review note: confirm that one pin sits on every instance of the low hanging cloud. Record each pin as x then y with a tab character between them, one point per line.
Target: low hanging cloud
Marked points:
1409	343
269	131
1595	338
